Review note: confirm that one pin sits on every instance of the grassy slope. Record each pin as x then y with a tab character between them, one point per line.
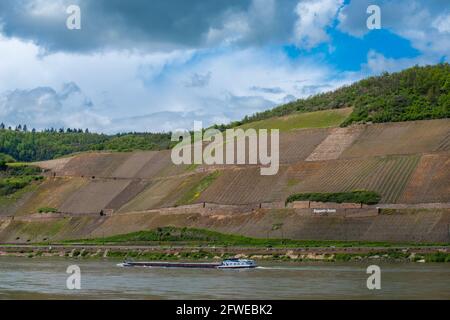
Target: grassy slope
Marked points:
194	193
317	119
200	237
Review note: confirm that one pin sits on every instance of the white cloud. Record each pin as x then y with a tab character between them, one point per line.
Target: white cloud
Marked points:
378	63
115	88
314	16
424	23
442	23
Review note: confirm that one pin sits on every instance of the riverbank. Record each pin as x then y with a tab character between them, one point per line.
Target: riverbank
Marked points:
213	253
178	244
388	226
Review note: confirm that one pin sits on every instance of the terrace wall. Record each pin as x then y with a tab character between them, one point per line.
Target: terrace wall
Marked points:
424	225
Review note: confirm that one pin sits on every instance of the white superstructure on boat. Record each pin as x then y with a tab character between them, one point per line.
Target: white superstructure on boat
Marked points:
237	264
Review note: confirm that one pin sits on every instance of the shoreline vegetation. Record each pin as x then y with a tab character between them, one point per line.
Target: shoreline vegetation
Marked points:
203	254
178	244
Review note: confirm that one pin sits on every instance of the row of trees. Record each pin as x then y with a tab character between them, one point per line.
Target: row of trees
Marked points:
24	128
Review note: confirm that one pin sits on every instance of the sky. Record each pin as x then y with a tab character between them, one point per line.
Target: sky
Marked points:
159	65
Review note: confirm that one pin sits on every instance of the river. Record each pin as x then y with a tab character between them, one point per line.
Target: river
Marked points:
45	278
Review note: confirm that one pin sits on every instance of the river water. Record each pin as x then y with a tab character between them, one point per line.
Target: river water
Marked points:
45	278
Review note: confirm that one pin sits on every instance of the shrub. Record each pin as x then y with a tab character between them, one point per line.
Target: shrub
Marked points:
360	196
11	185
23	170
47	210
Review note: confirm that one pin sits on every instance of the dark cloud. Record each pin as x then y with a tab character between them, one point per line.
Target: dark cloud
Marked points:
267	90
146	25
309	90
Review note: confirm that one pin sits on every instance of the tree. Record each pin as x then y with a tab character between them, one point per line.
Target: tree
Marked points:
3	165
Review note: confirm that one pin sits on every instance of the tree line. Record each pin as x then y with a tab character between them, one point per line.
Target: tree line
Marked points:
24	128
51	143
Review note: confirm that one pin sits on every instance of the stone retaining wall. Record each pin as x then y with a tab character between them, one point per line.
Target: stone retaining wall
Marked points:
323	205
403	225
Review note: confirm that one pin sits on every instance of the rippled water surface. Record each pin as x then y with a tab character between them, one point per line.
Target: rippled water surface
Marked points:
46	278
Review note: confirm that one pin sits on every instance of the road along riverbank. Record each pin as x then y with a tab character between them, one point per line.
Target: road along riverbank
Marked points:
212	253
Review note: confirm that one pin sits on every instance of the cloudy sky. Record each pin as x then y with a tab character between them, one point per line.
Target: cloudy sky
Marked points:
158	65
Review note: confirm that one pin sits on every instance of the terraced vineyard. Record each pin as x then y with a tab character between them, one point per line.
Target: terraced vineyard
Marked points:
163	193
245	186
444	145
400	138
134	188
430	181
126	165
52	193
385	175
335	143
298	145
404	162
93	164
93	197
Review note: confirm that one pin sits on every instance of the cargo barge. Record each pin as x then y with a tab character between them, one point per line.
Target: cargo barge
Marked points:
225	264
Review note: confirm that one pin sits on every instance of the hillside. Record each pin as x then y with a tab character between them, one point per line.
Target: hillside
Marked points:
413	94
97	194
380	157
94	192
317	119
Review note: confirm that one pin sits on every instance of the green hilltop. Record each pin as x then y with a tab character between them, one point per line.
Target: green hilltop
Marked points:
417	93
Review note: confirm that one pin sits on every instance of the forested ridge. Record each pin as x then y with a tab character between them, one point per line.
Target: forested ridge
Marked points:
416	93
35	146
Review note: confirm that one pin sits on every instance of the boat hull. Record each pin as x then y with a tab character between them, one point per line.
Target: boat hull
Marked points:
226	264
172	265
236	267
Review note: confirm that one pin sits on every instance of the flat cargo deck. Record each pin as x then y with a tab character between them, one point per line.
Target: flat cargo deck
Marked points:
207	265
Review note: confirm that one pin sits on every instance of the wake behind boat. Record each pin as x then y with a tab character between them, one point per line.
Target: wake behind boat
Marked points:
225	264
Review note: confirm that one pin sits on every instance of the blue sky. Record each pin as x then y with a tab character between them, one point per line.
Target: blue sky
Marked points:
159	65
